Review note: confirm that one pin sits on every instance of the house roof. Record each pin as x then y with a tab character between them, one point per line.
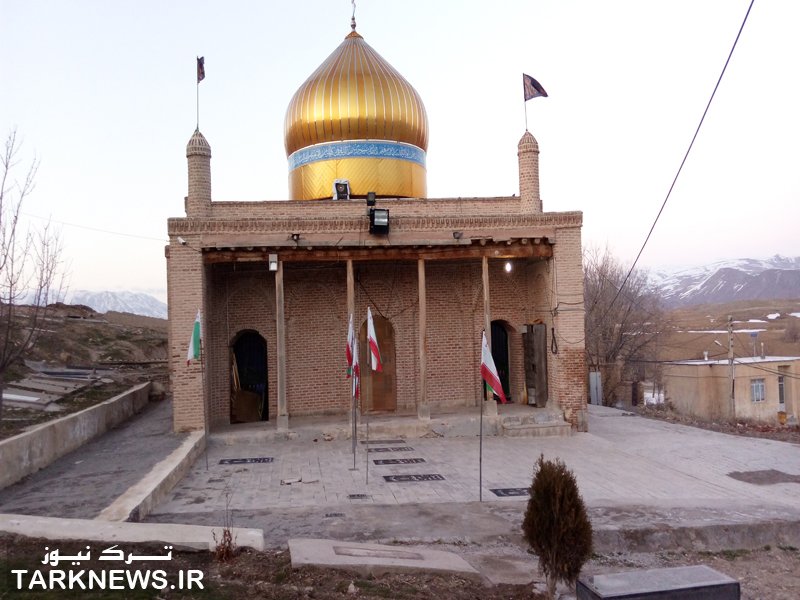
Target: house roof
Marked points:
739	360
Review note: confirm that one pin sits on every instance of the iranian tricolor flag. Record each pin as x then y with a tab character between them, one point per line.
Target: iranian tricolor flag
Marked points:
489	371
372	340
194	341
349	348
356	369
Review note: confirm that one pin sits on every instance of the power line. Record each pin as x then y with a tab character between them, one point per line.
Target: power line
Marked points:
686	156
766	370
97	229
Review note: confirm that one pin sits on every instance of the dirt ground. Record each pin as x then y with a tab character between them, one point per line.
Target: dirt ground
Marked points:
769	572
124	349
249	574
781	433
17	420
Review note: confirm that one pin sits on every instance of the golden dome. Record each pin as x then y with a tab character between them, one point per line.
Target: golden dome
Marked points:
356	118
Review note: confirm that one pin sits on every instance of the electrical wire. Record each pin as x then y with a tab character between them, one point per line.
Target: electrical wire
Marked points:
686	155
765	369
98	229
631	298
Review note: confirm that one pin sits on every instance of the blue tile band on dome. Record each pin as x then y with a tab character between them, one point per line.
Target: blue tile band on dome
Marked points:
363	149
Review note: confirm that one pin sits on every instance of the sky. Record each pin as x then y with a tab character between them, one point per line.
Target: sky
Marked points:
104	95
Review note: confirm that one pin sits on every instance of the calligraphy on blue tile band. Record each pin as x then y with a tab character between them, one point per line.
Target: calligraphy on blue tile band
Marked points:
363	149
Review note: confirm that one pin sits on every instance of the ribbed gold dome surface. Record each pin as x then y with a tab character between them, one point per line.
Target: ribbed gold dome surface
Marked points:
356	118
355	95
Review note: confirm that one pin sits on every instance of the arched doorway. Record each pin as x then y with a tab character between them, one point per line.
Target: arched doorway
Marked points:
378	389
249	398
500	355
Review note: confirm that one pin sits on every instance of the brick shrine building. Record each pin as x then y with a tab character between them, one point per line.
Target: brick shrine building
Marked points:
276	281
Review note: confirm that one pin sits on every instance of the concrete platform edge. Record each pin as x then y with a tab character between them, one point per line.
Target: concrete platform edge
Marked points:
194	537
140	499
35	449
712	537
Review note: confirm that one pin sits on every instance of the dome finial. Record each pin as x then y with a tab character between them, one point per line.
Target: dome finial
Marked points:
353	18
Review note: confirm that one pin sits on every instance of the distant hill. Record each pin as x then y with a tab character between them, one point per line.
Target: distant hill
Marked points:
137	303
731	281
78	337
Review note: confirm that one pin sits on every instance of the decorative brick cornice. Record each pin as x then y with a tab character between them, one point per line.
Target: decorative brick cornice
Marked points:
186	226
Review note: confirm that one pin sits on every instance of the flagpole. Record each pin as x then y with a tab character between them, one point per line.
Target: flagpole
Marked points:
481	402
493	386
480	456
198	107
205	404
355	428
356	375
375	364
526	115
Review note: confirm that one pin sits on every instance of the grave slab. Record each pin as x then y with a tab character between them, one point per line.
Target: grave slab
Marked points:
678	583
53	386
26	399
509	492
383	442
375	559
413	478
247	461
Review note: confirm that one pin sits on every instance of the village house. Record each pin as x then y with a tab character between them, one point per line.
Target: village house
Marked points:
763	388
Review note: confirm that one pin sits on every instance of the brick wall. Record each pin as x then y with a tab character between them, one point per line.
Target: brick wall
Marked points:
567	377
240	299
185	295
243	298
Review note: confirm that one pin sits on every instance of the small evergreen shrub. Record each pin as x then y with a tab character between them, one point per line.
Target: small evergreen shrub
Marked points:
556	524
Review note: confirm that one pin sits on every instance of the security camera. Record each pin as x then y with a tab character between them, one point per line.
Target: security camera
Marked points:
181	241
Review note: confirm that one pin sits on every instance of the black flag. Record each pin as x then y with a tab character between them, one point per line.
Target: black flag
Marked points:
201	69
532	88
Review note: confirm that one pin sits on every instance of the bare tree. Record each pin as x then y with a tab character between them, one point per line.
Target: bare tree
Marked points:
622	323
30	263
792	332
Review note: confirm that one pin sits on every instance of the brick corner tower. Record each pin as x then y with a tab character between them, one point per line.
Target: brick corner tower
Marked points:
528	153
198	155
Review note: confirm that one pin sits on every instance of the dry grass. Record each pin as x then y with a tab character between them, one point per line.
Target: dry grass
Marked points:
678	343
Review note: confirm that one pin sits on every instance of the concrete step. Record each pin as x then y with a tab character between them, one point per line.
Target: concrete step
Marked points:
558	429
539	424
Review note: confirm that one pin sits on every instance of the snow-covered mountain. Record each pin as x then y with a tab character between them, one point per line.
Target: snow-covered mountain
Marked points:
727	281
137	303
